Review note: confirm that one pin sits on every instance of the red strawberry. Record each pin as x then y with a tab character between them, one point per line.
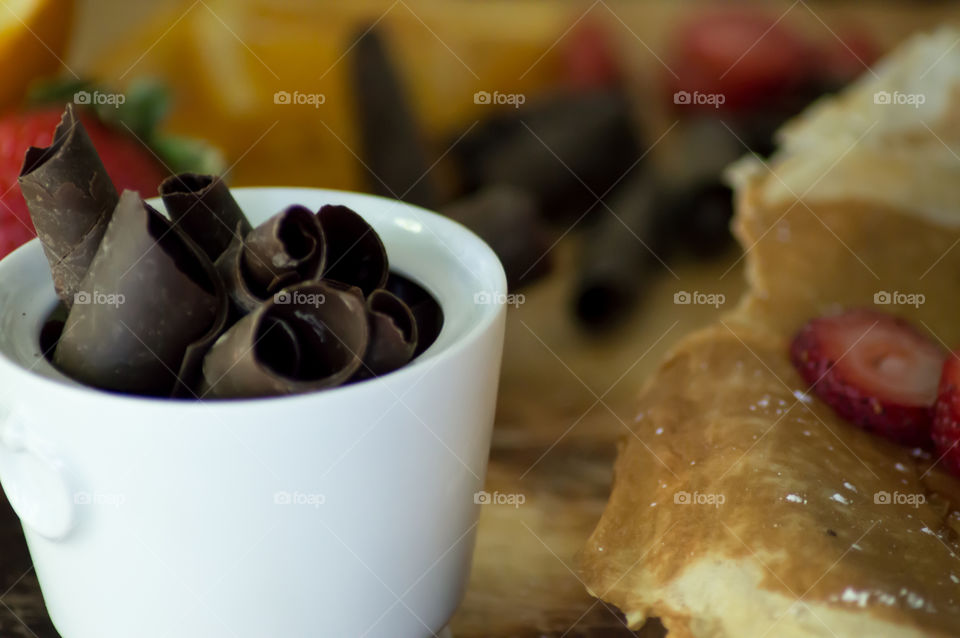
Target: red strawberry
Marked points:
749	59
874	369
128	162
590	59
946	415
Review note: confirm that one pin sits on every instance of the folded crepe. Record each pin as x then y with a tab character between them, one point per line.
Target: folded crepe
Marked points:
743	506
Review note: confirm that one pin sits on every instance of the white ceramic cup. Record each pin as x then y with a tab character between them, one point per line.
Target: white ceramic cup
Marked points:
348	512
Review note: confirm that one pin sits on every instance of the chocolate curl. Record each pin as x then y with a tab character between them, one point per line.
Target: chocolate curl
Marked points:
284	250
392	145
149	296
566	151
203	207
355	254
617	256
70	198
393	335
426	311
507	218
229	267
288	247
308	337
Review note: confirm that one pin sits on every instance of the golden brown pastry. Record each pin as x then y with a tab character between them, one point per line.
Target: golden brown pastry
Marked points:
743	506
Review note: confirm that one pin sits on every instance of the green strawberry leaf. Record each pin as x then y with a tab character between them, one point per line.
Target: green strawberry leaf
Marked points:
146	102
139	111
188	155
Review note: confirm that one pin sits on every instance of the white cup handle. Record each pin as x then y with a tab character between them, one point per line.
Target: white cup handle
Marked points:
34	480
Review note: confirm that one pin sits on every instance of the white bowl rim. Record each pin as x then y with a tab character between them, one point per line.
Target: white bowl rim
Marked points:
475	332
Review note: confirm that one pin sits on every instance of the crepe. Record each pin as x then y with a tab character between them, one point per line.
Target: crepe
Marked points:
742	506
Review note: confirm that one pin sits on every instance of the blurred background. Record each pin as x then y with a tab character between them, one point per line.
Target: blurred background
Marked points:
607	124
584	140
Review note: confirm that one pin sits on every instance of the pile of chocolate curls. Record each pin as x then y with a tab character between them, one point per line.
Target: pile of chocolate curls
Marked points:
202	304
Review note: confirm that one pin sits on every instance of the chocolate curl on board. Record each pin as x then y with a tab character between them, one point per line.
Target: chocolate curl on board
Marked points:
566	151
617	258
149	296
393	335
308	337
285	250
70	198
355	254
507	218
202	206
426	311
391	144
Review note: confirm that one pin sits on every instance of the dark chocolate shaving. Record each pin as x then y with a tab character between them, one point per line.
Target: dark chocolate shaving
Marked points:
230	268
425	309
355	254
507	218
393	335
307	337
202	206
287	249
567	150
70	198
617	258
392	145
150	298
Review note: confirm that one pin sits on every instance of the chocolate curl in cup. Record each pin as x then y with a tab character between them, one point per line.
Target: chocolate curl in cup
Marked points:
286	249
149	296
70	198
355	254
425	309
393	335
202	206
309	337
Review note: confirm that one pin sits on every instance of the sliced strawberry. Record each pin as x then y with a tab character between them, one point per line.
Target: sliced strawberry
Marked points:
946	415
874	369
